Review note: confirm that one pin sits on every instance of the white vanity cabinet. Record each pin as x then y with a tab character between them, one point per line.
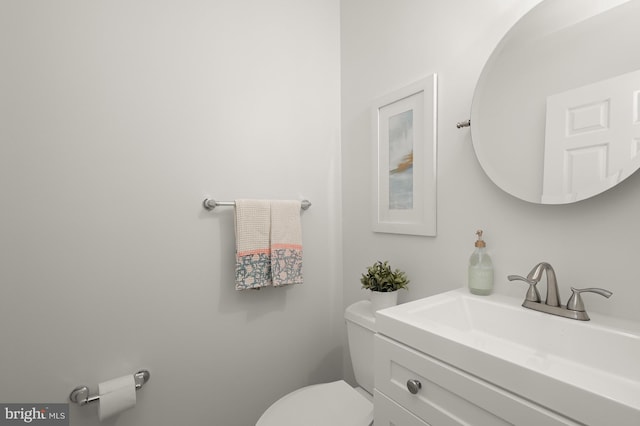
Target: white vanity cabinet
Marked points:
447	396
486	360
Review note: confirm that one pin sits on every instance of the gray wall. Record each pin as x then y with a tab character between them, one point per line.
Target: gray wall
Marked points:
117	118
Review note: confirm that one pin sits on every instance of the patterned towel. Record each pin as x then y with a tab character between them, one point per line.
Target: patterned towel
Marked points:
286	243
253	253
268	243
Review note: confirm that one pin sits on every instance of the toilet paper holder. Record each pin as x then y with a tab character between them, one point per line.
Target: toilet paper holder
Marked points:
80	395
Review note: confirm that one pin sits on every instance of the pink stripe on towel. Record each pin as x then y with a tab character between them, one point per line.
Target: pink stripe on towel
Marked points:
286	246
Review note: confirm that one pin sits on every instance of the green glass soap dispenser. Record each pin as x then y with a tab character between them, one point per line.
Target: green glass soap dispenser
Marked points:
480	269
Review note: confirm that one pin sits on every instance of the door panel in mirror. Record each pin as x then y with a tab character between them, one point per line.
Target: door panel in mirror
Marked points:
560	45
590	140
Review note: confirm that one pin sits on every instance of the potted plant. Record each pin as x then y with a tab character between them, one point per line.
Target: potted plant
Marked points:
384	284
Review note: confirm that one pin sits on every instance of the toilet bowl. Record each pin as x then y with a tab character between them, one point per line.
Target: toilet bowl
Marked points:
335	403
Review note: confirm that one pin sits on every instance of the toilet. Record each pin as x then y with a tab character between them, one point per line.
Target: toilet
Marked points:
335	403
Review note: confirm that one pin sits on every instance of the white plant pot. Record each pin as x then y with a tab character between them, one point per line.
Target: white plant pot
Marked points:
382	300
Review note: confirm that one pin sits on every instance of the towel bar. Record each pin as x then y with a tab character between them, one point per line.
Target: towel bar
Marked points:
80	395
210	204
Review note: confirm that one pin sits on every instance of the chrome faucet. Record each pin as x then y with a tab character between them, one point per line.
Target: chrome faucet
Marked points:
553	299
575	307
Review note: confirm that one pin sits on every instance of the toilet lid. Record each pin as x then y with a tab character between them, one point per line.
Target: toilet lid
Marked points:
335	404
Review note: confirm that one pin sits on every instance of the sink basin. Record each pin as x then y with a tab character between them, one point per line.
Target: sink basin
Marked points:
588	370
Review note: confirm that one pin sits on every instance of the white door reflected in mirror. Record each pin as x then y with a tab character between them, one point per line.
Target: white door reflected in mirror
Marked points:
558	46
592	137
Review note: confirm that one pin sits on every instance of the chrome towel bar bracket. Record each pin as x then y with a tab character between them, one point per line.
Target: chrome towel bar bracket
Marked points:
210	204
80	395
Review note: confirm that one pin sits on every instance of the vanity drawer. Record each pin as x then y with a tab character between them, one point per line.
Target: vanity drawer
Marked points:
388	413
448	396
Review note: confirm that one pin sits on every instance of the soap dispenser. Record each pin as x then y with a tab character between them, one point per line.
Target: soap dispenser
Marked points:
480	269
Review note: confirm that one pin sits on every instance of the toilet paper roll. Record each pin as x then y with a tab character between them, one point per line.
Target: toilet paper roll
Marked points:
116	396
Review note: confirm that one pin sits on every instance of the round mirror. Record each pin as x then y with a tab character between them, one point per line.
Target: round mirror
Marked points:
556	113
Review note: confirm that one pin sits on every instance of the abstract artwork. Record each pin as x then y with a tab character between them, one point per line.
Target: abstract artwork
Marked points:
401	160
404	160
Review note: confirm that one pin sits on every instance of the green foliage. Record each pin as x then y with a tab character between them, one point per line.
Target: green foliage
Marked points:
380	277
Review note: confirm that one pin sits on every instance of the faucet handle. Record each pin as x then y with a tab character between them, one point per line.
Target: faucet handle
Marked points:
532	294
575	301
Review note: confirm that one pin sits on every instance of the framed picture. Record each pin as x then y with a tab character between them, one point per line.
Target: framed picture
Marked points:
404	160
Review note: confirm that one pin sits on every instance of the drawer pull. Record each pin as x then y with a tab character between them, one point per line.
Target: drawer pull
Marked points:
414	386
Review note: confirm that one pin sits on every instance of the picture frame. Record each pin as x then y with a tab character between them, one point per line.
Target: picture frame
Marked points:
404	160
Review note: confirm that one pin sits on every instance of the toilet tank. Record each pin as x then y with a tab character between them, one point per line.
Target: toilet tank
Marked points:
361	323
